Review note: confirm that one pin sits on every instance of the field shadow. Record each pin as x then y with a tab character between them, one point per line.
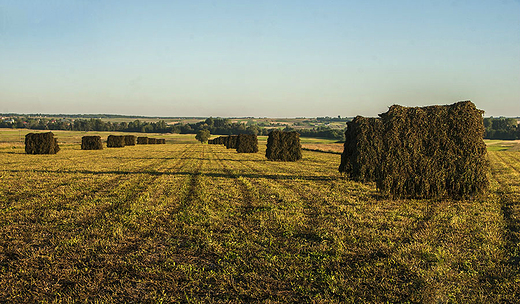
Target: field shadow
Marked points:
183	173
12	152
189	158
508	203
227	159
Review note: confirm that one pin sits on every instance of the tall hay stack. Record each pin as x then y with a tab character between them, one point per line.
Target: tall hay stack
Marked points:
91	143
420	152
433	152
115	141
247	143
130	140
231	142
283	146
142	140
361	157
41	143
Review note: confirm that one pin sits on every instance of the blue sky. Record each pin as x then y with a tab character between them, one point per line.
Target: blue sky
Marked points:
257	58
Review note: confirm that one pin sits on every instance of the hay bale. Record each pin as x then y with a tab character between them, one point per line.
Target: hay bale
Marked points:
130	140
41	143
91	143
161	141
247	143
142	140
231	142
433	152
283	146
115	141
152	141
361	157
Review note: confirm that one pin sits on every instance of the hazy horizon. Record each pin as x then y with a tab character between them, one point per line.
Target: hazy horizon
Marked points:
257	59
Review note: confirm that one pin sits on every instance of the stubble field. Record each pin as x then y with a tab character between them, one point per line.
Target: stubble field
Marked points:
187	222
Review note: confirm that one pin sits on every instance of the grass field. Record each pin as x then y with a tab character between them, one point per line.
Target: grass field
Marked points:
190	223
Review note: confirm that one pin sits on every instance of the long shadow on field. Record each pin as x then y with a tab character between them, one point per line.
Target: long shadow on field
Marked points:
210	174
192	158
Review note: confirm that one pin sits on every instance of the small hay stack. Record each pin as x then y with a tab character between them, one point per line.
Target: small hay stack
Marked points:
434	152
130	140
91	143
231	142
142	140
361	157
283	146
41	143
161	141
115	141
247	143
152	141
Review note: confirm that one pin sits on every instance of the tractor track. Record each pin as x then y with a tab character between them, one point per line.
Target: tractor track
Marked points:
192	180
509	201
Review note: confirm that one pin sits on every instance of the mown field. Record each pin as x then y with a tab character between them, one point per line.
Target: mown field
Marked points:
189	223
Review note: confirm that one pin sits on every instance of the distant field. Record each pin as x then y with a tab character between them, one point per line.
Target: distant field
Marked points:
190	223
503	145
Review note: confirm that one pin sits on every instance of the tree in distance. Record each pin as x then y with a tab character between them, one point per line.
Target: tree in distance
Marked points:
203	136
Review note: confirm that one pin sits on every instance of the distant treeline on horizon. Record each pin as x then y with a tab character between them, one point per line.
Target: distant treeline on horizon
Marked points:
496	128
216	126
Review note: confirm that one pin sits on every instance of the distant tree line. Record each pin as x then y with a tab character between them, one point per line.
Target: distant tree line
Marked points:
321	131
496	128
501	128
92	124
216	126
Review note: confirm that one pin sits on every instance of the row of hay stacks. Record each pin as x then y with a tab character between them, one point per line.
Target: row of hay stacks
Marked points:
150	141
217	141
117	141
45	143
281	146
41	143
420	152
243	143
113	141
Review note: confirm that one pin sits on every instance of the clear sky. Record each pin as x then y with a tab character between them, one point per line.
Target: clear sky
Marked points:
257	58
